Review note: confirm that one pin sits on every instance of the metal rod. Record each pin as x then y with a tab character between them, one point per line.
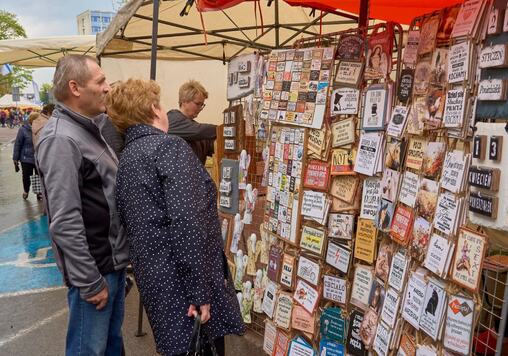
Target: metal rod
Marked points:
245	47
312	23
277	25
502	322
363	20
155	31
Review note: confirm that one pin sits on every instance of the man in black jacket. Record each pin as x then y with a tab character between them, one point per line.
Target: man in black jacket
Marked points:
201	137
78	172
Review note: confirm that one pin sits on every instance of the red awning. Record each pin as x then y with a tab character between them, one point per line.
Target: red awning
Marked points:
401	11
215	5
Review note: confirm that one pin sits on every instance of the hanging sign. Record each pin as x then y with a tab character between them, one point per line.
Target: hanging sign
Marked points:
306	296
447	213
495	148
483	204
484	177
458	62
269	337
434	308
349	73
492	90
390	307
438	255
374	108
312	239
302	320
362	284
283	310
350	47
397	122
332	324
459	325
288	267
269	299
382	339
493	56
355	345
453	175
402	224
365	242
411	49
407	345
344	188
455	106
479	146
343	132
341	226
316	175
371	197
409	188
344	101
415	151
342	162
405	88
467	264
308	270
331	348
398	271
300	347
413	301
281	344
314	204
274	265
335	289
338	257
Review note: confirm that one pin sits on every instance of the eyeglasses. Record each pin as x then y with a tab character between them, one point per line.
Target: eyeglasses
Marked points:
199	105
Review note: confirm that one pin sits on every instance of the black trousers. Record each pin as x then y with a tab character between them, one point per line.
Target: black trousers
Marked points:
219	345
27	170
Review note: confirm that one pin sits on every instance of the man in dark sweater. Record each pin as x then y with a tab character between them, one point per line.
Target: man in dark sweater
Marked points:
191	99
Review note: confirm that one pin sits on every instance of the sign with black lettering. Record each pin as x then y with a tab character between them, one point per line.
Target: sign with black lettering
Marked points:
493	56
495	148
492	90
355	345
458	62
405	88
483	204
479	146
483	177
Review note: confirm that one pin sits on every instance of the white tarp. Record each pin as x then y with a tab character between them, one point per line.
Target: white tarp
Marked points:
44	52
6	101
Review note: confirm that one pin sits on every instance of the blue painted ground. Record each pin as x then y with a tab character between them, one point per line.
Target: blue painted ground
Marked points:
26	258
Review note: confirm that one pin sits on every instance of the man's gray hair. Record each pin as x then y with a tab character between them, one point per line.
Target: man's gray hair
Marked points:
71	67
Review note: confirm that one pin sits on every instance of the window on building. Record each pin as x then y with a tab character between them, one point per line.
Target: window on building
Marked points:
105	19
96	29
96	18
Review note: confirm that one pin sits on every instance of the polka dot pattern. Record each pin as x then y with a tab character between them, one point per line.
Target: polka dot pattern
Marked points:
168	204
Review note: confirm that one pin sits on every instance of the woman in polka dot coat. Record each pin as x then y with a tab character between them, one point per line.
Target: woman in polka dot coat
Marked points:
168	204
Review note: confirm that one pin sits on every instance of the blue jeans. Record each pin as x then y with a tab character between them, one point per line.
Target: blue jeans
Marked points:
94	332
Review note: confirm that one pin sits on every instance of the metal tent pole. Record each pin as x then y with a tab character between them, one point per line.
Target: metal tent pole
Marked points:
363	19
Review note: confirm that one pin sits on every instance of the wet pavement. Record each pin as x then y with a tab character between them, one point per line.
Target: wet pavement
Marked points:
33	307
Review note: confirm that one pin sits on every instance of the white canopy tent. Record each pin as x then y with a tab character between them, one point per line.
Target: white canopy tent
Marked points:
7	102
44	52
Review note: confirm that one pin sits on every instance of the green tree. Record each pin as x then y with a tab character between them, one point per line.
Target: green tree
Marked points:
10	28
44	92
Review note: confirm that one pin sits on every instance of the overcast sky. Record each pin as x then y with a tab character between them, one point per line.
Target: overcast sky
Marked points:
51	18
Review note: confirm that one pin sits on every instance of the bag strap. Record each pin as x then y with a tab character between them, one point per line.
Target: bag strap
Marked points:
195	343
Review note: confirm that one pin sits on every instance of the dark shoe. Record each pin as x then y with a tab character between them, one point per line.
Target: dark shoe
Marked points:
25	195
39	196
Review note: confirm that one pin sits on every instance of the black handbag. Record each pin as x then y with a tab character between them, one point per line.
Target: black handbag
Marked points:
196	347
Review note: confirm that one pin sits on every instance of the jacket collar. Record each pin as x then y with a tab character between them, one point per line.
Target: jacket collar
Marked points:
92	125
141	130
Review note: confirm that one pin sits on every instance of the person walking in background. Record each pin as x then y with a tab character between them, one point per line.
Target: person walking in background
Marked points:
3	117
24	153
41	121
168	203
78	172
201	137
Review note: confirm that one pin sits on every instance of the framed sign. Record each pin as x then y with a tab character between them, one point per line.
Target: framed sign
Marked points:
479	146
315	204
269	337
335	289
368	156
306	295
338	256
281	344
341	226
343	132
492	90
365	243
332	324
329	347
469	254
349	73
300	347
458	62
313	240
344	101
317	175
459	325
362	285
493	56
455	106
483	204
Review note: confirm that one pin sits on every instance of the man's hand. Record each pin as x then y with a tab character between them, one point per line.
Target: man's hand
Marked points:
100	299
204	309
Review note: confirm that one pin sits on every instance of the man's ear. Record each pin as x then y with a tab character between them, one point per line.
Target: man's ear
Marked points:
74	88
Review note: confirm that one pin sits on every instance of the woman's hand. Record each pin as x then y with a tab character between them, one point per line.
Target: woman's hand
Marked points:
204	309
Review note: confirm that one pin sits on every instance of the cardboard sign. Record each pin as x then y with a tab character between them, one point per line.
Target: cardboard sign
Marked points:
434	308
405	88
287	271
308	270
415	151
390	308
335	289
312	239
355	345
493	57
269	337
341	226
459	325
397	122
365	243
409	188
413	300
402	224
467	264
343	132
306	296
314	204
349	73
342	162
398	271
316	175
268	305
458	62
302	320
371	197
362	284
455	106
438	255
283	310
382	339
484	177
344	187
338	257
332	324
492	90
344	101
